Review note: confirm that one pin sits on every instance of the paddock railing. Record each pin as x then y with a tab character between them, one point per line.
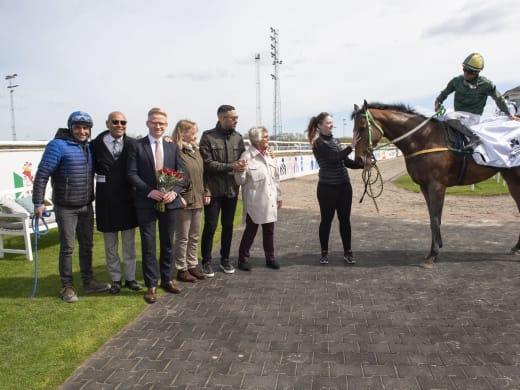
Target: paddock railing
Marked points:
19	160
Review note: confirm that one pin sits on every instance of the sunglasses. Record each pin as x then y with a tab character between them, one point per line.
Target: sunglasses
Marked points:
469	71
116	122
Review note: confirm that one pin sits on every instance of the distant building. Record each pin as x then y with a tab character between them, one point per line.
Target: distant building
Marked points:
513	95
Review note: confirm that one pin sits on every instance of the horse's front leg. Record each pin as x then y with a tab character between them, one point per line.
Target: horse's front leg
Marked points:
434	196
516	249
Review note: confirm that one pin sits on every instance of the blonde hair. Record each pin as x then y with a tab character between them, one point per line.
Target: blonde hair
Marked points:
181	128
158	111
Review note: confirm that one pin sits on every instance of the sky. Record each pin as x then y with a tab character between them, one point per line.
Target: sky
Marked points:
189	57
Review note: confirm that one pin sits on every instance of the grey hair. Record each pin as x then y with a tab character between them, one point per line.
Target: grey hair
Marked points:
255	133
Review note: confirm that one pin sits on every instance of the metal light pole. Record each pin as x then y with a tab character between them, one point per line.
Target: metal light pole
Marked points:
258	95
344	124
11	88
277	103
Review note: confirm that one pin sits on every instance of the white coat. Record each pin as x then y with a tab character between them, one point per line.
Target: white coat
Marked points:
260	187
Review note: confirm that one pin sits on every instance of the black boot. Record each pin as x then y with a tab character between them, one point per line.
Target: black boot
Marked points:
473	139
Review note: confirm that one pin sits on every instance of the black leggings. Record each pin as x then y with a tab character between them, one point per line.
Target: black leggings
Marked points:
334	198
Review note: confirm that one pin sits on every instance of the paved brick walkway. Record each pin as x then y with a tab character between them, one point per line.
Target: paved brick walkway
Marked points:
385	323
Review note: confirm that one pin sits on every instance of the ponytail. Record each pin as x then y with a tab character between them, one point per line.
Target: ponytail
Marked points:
312	129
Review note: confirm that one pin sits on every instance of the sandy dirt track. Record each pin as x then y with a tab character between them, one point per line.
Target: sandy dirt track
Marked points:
395	202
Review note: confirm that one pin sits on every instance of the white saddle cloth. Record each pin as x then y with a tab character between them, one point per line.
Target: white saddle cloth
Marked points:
500	145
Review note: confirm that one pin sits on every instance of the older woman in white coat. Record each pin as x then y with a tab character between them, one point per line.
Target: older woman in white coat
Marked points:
261	197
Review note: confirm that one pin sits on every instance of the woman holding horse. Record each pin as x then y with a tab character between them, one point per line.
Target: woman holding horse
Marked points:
334	189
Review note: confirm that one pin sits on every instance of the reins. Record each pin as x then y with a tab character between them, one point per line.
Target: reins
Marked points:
37	234
370	120
366	176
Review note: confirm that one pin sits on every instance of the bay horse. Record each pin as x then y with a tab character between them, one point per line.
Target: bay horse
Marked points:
429	161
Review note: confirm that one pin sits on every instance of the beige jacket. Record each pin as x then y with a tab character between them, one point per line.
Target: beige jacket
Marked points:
260	187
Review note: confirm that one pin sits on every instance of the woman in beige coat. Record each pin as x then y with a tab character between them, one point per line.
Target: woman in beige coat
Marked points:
261	197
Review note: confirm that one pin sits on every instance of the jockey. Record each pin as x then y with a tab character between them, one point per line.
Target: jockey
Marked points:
471	92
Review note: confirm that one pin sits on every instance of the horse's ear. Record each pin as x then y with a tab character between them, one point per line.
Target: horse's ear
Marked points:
356	108
365	104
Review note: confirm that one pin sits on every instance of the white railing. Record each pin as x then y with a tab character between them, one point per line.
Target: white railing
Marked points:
19	160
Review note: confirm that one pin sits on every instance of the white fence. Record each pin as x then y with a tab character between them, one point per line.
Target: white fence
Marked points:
19	161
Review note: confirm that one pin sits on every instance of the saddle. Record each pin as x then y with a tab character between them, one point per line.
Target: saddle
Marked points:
455	141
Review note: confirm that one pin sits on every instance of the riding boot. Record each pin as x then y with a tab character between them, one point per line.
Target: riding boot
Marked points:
473	139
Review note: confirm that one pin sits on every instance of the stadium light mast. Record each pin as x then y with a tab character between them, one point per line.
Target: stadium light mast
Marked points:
11	88
258	99
277	101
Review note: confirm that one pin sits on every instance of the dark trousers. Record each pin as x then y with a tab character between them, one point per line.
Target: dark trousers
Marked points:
249	237
147	220
228	207
332	199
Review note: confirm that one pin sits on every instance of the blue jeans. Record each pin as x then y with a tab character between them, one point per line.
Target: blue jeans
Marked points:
75	222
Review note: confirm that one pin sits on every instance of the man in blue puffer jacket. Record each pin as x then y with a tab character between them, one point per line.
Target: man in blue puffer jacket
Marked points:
67	160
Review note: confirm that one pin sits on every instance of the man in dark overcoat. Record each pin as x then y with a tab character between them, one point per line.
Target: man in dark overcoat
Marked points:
115	212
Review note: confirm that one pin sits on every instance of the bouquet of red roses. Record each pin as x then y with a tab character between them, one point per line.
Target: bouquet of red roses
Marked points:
167	179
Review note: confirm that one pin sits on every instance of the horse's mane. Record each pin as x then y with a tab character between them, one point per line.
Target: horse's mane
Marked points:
399	107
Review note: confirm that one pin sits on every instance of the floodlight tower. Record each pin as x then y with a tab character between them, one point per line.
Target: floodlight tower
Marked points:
11	88
258	106
277	102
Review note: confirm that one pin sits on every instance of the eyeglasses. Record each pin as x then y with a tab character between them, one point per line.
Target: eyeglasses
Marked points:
233	118
160	124
469	71
116	122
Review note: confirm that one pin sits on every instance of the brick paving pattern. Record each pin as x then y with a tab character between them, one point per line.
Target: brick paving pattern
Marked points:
385	323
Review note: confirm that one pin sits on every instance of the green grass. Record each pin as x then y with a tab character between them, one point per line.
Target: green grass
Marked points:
42	339
484	188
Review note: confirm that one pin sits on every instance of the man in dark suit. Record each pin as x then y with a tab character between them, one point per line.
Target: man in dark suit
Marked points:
145	157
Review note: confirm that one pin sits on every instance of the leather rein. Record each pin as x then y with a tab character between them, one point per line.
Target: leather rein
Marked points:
372	122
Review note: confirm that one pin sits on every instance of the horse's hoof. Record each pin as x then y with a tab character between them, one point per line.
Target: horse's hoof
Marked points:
515	251
427	265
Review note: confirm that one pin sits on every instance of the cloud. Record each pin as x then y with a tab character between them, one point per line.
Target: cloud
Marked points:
201	76
490	18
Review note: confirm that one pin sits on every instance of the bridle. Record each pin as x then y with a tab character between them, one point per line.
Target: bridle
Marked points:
369	155
369	118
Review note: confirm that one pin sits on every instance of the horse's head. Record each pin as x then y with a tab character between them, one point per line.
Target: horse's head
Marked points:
366	134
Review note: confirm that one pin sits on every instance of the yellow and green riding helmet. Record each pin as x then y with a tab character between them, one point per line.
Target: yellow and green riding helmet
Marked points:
474	62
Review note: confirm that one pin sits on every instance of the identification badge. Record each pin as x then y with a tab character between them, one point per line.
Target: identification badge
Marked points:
100	179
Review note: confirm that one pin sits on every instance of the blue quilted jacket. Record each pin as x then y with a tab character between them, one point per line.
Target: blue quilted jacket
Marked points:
69	165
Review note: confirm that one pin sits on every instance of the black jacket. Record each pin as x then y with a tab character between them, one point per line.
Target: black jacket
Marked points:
333	160
219	149
114	202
